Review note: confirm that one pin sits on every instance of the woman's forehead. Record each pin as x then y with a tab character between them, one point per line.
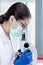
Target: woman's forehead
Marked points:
26	21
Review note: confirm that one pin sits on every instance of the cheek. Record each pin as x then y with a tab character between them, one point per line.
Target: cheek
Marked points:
14	25
19	24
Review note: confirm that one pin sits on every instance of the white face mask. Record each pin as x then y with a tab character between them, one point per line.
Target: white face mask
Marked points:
17	31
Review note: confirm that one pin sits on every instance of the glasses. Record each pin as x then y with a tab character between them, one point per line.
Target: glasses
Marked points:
23	25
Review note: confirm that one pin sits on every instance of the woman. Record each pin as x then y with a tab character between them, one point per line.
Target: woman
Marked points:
12	22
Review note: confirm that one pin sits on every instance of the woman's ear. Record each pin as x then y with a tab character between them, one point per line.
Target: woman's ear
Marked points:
11	19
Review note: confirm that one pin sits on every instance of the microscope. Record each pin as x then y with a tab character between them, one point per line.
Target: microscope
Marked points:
24	57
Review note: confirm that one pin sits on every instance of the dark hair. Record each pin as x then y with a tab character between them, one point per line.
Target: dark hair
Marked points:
19	10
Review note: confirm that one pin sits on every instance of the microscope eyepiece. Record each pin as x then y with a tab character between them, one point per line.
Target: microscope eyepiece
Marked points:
26	45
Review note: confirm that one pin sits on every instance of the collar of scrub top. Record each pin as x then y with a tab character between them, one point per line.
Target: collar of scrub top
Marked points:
3	35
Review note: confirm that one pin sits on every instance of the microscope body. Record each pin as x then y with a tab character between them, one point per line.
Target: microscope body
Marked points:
24	59
25	56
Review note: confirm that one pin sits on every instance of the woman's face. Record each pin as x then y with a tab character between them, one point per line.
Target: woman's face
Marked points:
17	27
22	23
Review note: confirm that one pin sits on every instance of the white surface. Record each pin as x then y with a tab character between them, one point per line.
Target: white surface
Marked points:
31	26
16	0
39	63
